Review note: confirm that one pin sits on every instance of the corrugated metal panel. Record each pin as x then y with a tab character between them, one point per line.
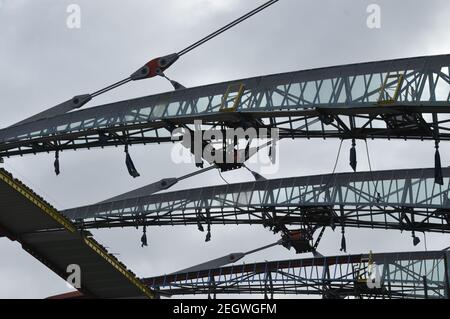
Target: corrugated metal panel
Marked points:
54	240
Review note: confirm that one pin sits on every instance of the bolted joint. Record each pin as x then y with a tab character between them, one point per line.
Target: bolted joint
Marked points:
155	67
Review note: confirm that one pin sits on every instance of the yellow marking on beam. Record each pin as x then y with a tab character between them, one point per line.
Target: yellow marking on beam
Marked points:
67	224
45	207
116	264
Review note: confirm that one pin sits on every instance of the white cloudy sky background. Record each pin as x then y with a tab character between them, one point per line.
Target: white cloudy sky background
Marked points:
42	63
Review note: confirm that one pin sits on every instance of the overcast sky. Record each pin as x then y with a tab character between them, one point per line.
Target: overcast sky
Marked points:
42	63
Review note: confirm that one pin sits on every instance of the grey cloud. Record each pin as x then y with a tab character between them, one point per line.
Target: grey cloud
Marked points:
43	63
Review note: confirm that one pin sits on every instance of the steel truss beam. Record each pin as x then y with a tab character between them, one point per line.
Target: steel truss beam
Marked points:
397	199
397	99
409	275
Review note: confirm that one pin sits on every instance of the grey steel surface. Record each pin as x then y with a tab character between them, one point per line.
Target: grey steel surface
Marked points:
396	199
406	275
52	239
387	99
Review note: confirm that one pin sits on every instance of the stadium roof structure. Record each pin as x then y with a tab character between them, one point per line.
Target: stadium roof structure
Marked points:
52	239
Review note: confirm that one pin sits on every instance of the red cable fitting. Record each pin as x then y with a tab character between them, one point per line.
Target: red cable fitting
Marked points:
155	67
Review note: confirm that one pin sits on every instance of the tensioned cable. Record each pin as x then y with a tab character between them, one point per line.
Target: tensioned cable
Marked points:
197	44
335	166
152	68
111	87
337	158
370	168
227	27
221	176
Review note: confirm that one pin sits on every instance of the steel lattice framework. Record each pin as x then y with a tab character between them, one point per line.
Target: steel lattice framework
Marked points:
406	99
406	275
397	199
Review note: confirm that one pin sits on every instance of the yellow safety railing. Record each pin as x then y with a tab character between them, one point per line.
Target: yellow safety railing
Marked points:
233	94
385	98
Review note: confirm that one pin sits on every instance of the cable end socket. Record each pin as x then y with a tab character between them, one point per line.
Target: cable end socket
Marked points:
155	67
80	100
167	183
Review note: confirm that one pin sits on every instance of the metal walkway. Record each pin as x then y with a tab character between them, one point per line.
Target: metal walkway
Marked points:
52	239
406	275
396	199
405	99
